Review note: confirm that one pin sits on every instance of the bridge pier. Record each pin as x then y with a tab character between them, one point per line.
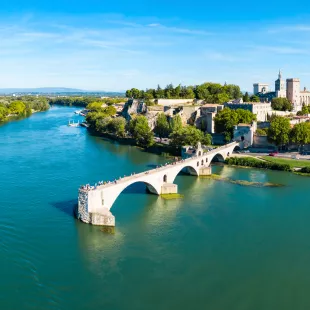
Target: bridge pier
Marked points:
169	188
205	171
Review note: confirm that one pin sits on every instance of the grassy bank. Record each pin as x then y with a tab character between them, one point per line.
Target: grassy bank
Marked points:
291	162
255	163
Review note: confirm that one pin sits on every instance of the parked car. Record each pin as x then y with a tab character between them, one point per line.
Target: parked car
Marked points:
274	153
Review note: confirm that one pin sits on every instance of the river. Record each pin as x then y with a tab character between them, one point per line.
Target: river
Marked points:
223	246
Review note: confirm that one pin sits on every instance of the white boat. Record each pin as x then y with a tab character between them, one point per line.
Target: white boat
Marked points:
78	112
73	124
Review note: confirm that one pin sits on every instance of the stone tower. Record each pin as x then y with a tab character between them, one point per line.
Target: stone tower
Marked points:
279	83
293	93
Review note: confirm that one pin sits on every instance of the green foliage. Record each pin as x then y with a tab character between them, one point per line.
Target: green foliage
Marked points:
226	119
133	93
211	92
254	98
281	104
101	123
189	135
73	101
117	126
304	111
262	131
305	170
175	123
97	115
17	107
252	162
246	97
162	128
140	130
95	106
111	101
108	124
300	134
4	112
279	130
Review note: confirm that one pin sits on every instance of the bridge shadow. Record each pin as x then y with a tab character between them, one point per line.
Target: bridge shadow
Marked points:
69	206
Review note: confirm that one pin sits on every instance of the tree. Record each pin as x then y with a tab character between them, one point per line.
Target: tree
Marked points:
160	93
128	93
300	134
92	118
102	124
117	126
281	104
245	116
304	110
224	122
176	123
3	113
226	119
133	93
162	126
140	130
109	110
188	135
254	98
207	139
17	107
246	97
262	131
95	106
279	130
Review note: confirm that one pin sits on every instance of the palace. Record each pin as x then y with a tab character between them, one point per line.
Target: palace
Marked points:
290	90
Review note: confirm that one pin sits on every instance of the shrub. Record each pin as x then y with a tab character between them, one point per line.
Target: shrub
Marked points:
305	170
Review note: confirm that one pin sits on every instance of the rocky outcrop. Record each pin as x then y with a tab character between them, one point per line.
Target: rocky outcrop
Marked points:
133	106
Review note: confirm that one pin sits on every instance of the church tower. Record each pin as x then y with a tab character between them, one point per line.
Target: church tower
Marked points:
280	86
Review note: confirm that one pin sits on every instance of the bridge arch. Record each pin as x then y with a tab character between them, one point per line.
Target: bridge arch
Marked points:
189	169
218	158
109	197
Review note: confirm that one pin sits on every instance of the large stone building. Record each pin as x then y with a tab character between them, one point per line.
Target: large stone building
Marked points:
292	92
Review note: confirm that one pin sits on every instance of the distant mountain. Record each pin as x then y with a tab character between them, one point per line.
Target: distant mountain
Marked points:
56	90
40	90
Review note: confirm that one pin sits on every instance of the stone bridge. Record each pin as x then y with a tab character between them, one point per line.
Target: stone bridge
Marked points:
94	205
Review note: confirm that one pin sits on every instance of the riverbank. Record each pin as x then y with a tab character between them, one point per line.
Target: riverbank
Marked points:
156	148
271	163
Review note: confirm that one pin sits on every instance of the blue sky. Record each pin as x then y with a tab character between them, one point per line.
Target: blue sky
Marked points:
116	45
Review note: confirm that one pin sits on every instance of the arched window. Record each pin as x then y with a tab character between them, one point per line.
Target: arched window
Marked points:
202	163
199	154
197	163
165	178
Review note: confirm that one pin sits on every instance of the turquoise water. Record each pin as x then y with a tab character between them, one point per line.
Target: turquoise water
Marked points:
223	246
